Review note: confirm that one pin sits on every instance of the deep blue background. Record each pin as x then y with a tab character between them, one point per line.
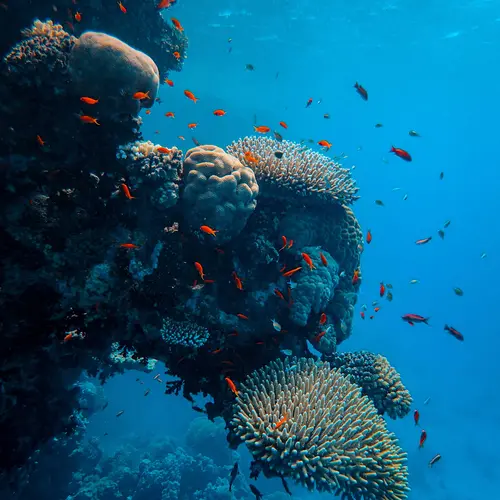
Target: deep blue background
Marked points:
429	66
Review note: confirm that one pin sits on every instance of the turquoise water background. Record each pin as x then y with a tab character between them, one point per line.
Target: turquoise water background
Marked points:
428	66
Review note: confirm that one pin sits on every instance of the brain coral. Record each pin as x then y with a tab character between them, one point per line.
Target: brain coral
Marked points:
333	439
104	67
378	380
300	174
220	192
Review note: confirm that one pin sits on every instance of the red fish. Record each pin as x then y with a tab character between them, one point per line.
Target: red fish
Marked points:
237	281
284	240
362	314
163	150
199	268
325	144
377	309
170	114
322	319
382	289
355	277
78	17
219	112
89	100
323	260
177	24
170	83
368	237
231	385
423	241
177	55
281	421
126	192
283	124
308	260
40	141
141	96
122	8
242	316
128	246
319	336
454	332
404	155
291	272
411	319
278	294
209	230
309	102
89	119
190	96
67	337
262	129
164	4
423	437
416	416
361	91
192	125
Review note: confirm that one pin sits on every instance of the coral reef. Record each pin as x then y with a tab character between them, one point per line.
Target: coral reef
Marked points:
220	192
299	173
304	420
378	380
184	333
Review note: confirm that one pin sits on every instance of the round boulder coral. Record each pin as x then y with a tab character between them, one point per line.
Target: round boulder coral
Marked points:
104	67
220	192
304	420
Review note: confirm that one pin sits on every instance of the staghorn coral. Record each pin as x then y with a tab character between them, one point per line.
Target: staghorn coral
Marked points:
105	67
378	380
44	51
333	439
183	333
220	192
300	175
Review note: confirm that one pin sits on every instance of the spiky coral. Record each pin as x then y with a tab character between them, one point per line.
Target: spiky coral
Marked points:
300	173
377	379
183	333
333	439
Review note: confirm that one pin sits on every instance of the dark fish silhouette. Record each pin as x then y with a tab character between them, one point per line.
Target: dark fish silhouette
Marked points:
234	473
285	485
256	492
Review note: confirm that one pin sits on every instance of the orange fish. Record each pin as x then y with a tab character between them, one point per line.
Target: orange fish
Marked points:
323	260
369	237
278	294
164	4
308	260
325	144
67	337
177	24
283	124
192	125
78	17
40	141
163	150
122	8
281	421
148	111
170	83
237	281
249	158
261	129
190	95
382	289
283	239
319	336
377	309
177	55
199	268
231	385
242	316
219	112
128	246
355	277
141	96
89	100
291	272
169	114
89	119
209	230
322	319
290	244
126	192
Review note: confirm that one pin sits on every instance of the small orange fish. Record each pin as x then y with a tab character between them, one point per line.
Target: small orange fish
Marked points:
192	125
67	337
148	111
170	83
308	260
126	192
164	4
319	336
323	260
128	246
249	158
208	230
261	129
40	141
325	144
242	316
355	277
89	119
283	124
382	289
281	421
169	114
199	268
231	385
290	244
163	150
237	281
278	294
122	8
291	272
322	319
368	237
209	281
177	24
219	112
89	100
78	17
284	240
377	309
141	96
190	96
177	55
217	351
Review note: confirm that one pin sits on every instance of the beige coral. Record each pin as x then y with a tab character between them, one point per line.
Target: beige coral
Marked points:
333	439
220	192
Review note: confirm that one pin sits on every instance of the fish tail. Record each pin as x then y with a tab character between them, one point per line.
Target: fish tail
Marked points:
426	321
392	150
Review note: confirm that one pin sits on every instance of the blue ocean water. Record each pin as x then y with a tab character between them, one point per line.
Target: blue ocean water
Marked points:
431	68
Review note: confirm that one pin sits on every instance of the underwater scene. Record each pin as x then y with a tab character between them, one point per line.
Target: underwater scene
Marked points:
248	250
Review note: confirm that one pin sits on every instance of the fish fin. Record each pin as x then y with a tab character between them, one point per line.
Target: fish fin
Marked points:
426	321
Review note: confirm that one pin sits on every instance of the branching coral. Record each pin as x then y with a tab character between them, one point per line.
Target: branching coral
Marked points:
220	192
377	379
332	438
299	173
183	333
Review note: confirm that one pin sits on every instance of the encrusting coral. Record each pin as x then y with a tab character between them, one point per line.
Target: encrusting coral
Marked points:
304	420
220	192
